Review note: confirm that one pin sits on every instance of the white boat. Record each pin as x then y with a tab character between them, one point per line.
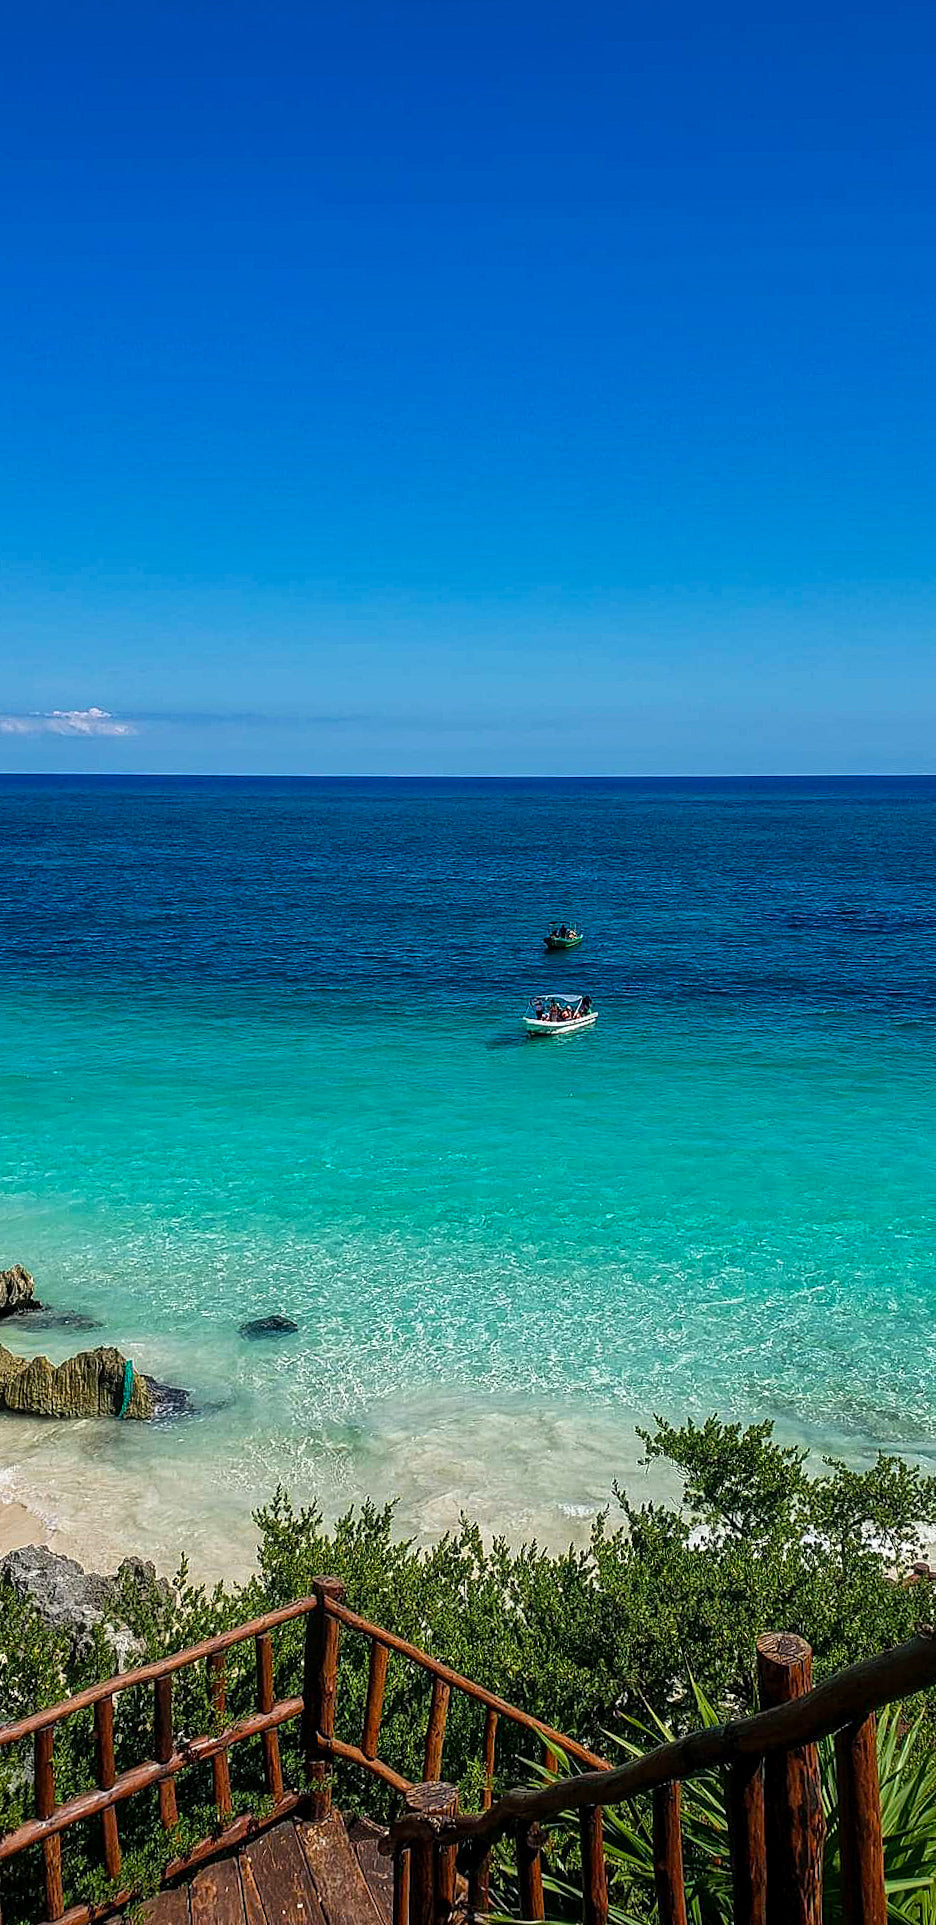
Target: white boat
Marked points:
554	1015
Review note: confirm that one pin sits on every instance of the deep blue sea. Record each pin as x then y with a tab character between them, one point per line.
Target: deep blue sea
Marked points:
260	1050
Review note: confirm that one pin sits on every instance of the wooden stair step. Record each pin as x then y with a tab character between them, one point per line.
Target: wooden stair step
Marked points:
278	1869
341	1887
365	1838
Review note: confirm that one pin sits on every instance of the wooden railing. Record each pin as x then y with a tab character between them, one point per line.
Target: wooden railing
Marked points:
770	1763
324	1614
773	1800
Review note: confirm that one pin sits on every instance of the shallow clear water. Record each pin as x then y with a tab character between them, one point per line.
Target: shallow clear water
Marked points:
260	1050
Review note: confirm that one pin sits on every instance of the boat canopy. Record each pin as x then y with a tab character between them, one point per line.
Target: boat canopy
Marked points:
550	996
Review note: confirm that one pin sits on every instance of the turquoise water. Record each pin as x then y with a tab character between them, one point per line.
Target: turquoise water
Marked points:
260	1050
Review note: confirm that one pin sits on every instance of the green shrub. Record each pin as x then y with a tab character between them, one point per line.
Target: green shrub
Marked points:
665	1599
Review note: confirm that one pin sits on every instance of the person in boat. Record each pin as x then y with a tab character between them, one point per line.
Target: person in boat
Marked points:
584	1008
538	1010
553	1016
562	930
565	1013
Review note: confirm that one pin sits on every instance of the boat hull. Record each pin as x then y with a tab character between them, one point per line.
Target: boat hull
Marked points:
538	1026
562	942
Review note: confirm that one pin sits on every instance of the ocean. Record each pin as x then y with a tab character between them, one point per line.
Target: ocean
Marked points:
260	1052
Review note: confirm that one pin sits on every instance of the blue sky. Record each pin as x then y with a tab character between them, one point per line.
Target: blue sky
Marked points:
467	388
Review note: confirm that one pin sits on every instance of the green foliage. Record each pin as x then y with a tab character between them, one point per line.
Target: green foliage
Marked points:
666	1600
907	1772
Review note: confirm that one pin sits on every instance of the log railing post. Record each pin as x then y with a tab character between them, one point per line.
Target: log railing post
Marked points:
401	1885
864	1900
319	1691
744	1802
794	1825
594	1877
220	1769
373	1709
106	1773
272	1767
432	1866
479	1885
44	1757
490	1746
530	1872
667	1856
435	1731
162	1721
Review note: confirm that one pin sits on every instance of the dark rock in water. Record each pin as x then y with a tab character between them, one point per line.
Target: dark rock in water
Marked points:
168	1401
43	1316
269	1327
16	1291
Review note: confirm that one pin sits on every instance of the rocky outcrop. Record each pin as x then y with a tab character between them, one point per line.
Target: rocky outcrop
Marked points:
275	1326
18	1299
75	1601
88	1385
17	1291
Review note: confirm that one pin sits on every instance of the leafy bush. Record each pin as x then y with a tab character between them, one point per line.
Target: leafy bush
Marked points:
907	1773
665	1600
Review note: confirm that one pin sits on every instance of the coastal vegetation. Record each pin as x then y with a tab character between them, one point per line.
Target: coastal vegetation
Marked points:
654	1620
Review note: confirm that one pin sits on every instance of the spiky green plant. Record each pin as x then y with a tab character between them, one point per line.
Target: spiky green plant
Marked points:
907	1771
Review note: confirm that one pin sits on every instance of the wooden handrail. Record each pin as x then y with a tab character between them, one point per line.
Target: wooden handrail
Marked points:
148	1673
842	1700
446	1675
430	1829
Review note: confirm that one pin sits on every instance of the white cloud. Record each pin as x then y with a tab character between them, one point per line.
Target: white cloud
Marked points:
66	722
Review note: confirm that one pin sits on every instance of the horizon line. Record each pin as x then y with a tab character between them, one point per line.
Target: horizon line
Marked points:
428	775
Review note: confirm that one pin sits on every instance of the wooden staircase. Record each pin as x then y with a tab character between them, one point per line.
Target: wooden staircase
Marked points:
299	1864
293	1874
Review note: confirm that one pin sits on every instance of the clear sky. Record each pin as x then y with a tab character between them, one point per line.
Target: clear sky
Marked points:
467	386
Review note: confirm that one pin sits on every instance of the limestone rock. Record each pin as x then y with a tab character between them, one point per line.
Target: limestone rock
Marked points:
71	1600
16	1291
88	1385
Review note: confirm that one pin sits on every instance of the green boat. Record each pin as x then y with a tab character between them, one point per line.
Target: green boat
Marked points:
563	935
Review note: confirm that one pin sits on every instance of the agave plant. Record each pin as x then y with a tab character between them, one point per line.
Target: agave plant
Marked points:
907	1774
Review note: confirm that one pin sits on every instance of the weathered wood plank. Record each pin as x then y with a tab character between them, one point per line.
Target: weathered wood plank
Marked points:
216	1897
365	1837
253	1910
340	1885
282	1878
168	1908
